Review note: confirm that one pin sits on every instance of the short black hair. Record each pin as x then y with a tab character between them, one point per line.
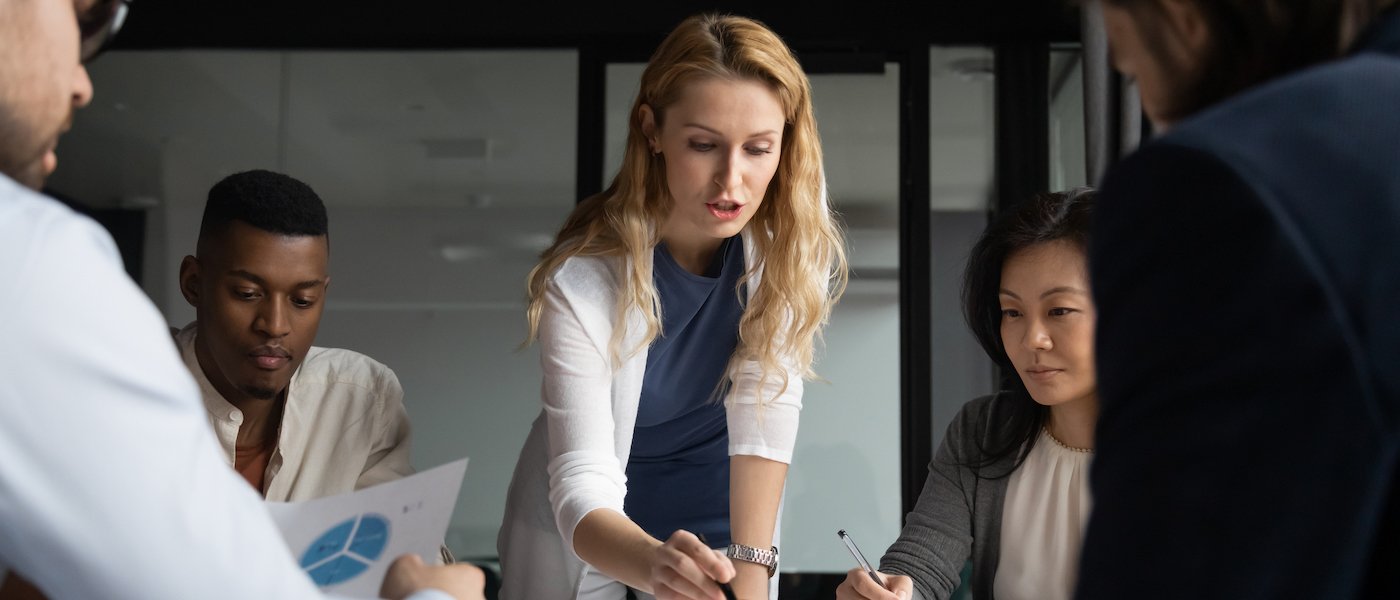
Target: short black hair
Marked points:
272	202
1042	219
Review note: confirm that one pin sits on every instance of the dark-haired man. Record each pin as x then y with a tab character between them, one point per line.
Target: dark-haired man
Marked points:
110	486
296	421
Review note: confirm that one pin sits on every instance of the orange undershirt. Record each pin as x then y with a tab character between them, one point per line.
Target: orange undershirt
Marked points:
251	462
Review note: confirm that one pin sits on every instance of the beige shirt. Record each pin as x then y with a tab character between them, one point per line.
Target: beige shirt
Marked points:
344	427
1042	523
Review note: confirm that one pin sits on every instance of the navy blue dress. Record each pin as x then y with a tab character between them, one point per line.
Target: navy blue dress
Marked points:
678	473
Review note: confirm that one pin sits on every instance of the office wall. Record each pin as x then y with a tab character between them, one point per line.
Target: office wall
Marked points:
437	294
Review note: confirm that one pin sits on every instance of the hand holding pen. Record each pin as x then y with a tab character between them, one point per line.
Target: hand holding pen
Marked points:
865	583
723	585
685	568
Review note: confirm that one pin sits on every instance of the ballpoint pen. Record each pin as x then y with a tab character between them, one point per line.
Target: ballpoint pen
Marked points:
860	558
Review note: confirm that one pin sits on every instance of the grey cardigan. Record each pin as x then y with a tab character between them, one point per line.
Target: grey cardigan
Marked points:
958	514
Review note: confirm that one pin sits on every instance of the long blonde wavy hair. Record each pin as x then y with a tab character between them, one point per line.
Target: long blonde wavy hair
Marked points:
798	245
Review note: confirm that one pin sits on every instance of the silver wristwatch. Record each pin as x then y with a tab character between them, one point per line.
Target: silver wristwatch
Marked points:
767	558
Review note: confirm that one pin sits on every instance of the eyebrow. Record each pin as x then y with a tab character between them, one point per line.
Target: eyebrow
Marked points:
262	282
1064	289
759	134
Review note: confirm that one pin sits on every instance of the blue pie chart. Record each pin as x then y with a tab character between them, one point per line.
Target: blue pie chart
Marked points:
346	550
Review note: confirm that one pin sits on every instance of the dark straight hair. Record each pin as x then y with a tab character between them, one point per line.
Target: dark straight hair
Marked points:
1253	41
1044	218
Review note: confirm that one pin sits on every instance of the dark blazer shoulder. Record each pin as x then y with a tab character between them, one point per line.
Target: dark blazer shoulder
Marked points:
1307	128
1318	151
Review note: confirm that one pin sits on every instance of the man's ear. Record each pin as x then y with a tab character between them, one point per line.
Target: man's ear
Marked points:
189	280
1192	34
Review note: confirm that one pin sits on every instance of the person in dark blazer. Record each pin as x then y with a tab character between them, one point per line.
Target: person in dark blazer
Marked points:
1246	269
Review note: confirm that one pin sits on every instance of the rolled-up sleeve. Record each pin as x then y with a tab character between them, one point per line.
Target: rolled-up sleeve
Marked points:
584	471
763	412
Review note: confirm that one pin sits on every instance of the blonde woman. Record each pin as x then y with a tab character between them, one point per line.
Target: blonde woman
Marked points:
676	315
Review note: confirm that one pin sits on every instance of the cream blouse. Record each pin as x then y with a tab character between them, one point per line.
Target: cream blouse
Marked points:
1042	523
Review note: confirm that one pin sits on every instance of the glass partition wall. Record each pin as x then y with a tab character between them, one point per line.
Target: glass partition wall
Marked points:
961	137
846	471
1067	170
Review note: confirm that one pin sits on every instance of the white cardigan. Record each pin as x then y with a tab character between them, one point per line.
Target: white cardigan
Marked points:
576	455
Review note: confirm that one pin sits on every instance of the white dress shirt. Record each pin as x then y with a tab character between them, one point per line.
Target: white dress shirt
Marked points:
112	485
343	428
575	458
1042	523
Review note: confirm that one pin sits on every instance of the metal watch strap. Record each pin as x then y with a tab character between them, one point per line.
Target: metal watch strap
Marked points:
766	558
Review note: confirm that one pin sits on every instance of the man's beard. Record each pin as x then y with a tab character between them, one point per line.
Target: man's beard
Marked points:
261	393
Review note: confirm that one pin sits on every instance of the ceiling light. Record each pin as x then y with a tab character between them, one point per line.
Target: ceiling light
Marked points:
463	253
974	68
140	201
535	242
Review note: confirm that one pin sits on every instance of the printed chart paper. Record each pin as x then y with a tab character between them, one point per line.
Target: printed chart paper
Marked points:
346	542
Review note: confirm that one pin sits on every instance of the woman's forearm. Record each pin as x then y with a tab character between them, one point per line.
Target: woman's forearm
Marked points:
755	489
613	544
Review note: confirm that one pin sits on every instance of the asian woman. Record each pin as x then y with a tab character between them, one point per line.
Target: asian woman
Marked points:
1008	486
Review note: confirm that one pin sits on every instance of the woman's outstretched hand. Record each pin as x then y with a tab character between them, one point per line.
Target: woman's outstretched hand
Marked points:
684	568
859	586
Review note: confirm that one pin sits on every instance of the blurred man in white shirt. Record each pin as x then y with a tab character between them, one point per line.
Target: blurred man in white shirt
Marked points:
111	484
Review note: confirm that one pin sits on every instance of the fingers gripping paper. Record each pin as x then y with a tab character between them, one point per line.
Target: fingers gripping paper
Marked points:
345	543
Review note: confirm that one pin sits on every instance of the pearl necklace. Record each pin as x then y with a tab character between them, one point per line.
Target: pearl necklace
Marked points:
1062	444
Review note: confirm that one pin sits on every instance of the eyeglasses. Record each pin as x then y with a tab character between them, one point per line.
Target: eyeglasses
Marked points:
99	25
